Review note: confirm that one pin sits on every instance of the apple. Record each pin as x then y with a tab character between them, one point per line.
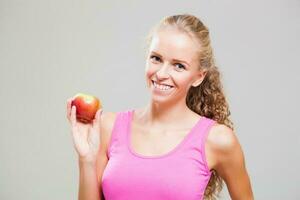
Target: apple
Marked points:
86	107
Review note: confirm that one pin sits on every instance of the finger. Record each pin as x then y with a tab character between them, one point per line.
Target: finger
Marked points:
96	121
73	115
69	102
99	113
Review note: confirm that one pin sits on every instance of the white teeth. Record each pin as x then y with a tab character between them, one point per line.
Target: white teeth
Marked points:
161	87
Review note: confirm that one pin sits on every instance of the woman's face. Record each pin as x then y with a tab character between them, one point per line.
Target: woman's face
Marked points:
172	66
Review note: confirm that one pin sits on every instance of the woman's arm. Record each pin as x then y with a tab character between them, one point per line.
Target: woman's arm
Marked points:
230	162
90	186
88	183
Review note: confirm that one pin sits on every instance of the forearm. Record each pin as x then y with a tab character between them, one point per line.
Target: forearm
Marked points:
88	183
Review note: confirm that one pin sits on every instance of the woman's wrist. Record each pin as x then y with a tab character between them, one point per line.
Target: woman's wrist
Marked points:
87	160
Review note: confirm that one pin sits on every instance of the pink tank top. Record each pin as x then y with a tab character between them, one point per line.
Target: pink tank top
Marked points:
182	173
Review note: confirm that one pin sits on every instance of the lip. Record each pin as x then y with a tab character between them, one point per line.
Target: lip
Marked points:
161	83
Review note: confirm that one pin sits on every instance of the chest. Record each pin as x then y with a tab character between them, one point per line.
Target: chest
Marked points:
147	142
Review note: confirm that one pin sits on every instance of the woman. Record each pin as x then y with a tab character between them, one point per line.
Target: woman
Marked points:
181	145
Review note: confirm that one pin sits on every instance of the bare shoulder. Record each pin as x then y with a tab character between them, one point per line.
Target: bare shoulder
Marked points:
107	123
107	120
222	143
221	137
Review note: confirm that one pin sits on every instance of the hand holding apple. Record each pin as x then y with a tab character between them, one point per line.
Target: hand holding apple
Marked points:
86	136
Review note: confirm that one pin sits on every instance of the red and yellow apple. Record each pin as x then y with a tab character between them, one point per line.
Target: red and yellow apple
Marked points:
86	107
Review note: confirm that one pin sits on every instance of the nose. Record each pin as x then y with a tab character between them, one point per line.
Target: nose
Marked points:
163	72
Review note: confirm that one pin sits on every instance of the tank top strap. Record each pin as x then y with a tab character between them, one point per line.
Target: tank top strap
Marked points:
207	127
197	141
119	130
204	129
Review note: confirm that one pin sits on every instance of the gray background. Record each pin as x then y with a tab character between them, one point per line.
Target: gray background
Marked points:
50	50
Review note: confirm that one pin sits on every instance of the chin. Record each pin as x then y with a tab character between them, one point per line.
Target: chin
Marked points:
161	99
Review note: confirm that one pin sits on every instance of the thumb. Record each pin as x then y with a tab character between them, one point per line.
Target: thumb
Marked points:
97	119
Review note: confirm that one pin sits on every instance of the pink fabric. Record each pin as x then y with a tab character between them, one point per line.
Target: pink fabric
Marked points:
182	173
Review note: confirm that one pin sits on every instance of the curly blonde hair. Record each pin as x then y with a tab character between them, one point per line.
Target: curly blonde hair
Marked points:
208	98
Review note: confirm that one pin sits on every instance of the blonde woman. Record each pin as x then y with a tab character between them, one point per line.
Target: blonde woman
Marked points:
181	145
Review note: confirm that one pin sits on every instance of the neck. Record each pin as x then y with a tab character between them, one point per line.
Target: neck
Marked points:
167	115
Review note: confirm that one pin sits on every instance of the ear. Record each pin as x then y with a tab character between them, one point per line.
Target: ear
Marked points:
199	78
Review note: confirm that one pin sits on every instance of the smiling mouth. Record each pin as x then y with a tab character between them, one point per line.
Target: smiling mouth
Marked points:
161	86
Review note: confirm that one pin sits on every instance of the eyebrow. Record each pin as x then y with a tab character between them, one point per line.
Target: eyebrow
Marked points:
173	59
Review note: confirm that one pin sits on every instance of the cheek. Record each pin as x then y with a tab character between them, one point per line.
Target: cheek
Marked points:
148	75
183	81
149	71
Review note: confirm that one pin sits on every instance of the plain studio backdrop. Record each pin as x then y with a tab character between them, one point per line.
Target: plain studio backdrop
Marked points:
50	50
